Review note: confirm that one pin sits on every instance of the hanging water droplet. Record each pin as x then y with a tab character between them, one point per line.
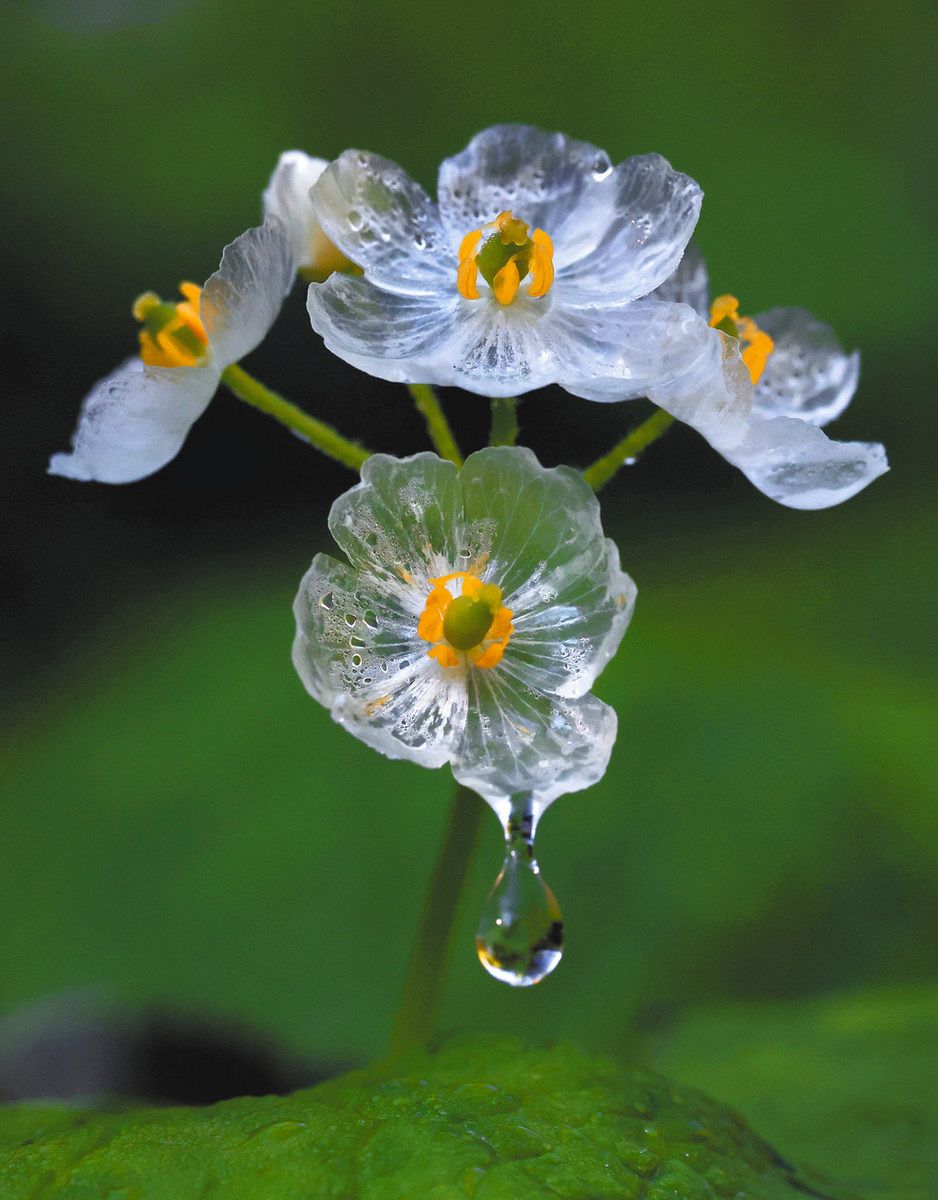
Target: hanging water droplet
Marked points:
519	940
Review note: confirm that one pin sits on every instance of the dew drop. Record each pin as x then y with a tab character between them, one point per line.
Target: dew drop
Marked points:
519	940
355	219
601	167
327	600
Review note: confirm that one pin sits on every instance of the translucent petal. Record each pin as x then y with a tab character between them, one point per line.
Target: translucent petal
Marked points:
134	421
357	653
640	221
621	353
808	375
794	462
356	318
385	222
287	198
542	177
710	388
689	283
560	576
241	300
790	460
402	525
520	741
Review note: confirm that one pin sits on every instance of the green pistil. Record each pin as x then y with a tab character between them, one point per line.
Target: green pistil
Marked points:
467	621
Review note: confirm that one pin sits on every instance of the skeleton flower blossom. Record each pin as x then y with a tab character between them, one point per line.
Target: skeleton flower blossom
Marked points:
527	271
759	389
475	610
136	419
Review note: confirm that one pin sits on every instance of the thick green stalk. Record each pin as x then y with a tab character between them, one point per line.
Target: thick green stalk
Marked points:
312	430
603	469
422	993
441	435
504	421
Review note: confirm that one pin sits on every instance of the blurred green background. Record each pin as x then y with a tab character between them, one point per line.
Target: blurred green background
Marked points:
182	826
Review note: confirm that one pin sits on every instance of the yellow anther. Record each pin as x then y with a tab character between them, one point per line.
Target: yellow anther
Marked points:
473	627
755	343
542	264
173	334
506	283
504	253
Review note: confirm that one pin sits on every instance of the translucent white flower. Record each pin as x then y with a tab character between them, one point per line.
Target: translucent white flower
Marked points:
136	419
528	270
475	610
807	373
287	197
759	389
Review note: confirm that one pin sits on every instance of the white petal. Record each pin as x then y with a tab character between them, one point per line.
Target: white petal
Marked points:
241	300
790	460
640	219
385	222
519	741
357	652
542	177
794	462
621	353
134	421
808	375
689	283
287	198
357	320
560	576
402	524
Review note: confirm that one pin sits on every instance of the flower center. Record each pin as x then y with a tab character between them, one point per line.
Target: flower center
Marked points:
474	624
173	334
504	253
756	344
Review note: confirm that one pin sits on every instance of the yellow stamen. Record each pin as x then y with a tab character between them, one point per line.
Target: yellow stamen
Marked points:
173	334
756	345
505	253
506	283
431	627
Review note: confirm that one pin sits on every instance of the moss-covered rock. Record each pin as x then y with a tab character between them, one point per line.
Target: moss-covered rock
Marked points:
490	1120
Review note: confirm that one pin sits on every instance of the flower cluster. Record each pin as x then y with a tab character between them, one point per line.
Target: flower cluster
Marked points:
478	601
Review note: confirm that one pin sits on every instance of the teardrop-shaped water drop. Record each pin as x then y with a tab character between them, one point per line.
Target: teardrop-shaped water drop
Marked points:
520	936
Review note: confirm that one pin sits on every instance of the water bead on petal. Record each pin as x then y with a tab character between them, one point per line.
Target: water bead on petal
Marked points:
385	222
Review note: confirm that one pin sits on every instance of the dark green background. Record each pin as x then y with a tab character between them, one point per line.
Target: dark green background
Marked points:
181	824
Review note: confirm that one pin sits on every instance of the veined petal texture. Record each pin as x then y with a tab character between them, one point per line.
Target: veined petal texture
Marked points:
242	299
524	723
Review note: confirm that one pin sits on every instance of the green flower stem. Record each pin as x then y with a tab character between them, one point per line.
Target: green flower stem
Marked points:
641	437
422	993
504	421
441	435
312	430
